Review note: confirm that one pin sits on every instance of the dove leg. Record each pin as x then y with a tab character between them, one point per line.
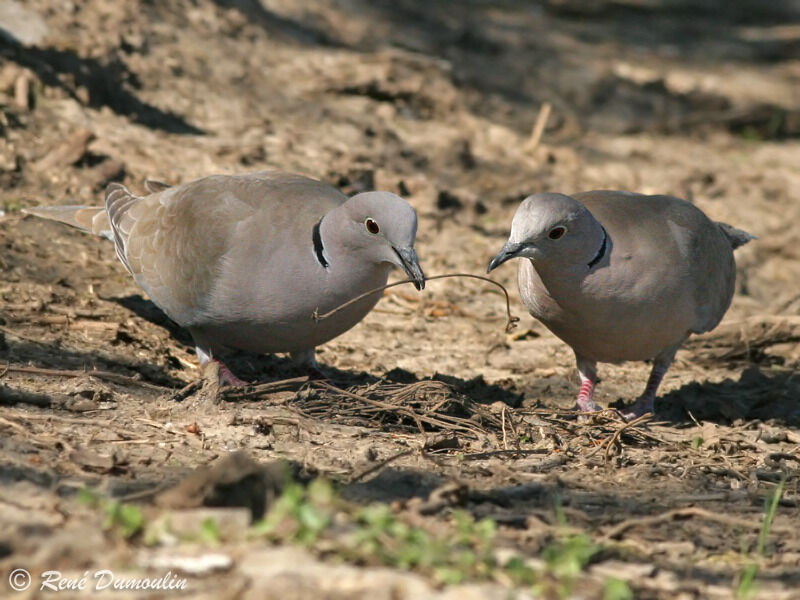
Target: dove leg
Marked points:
646	402
307	360
588	373
226	376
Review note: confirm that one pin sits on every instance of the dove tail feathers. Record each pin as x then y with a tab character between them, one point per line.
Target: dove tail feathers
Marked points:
153	186
91	219
737	237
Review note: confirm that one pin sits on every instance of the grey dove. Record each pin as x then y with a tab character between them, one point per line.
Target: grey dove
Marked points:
620	276
244	261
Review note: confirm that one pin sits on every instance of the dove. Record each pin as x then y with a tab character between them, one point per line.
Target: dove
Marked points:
621	276
246	261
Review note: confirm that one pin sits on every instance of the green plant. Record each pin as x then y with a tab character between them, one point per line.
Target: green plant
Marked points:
128	519
616	589
299	514
565	559
209	531
375	535
88	497
467	553
747	580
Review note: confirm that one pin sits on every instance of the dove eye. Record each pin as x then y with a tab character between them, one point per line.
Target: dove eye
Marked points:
372	226
557	232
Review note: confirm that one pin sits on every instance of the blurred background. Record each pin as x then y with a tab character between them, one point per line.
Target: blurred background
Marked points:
369	92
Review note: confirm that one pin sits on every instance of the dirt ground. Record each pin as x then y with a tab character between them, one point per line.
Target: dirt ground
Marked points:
430	405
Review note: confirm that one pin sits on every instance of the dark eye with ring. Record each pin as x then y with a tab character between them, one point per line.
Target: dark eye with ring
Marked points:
372	226
557	232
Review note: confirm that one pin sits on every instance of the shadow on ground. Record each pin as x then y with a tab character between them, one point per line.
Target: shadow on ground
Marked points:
108	83
763	395
496	56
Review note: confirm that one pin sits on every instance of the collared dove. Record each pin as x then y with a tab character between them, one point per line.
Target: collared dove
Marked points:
621	276
246	261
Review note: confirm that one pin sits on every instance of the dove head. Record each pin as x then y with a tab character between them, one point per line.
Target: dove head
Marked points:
552	228
381	227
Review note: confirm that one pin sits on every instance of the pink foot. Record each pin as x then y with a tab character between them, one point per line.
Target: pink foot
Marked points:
641	407
646	402
226	376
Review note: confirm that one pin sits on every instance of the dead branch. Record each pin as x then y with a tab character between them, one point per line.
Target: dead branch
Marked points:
511	320
679	513
106	375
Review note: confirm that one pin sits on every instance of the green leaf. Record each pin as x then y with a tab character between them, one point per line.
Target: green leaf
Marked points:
617	589
88	497
127	517
209	531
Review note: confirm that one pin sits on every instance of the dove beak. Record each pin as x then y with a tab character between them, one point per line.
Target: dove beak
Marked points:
410	263
507	252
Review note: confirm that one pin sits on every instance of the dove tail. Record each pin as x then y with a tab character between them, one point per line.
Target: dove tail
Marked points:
92	219
737	237
153	186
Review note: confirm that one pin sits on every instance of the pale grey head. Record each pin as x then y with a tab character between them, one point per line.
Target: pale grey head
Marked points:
552	228
381	227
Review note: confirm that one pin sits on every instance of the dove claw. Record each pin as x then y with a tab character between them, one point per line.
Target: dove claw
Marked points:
226	376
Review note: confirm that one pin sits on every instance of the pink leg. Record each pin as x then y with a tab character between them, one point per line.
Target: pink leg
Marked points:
588	373
226	376
646	402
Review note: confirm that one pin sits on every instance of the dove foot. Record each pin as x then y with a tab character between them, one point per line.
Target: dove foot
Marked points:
646	402
306	360
316	373
226	376
586	405
642	406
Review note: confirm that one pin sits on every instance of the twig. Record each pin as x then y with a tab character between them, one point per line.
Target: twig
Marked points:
539	125
676	513
513	452
511	320
22	336
615	436
503	423
14	425
643	419
9	396
66	447
145	494
378	404
359	475
187	390
107	375
441	421
72	420
265	388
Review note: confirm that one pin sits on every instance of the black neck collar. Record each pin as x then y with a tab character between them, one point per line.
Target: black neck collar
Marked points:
602	252
319	249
